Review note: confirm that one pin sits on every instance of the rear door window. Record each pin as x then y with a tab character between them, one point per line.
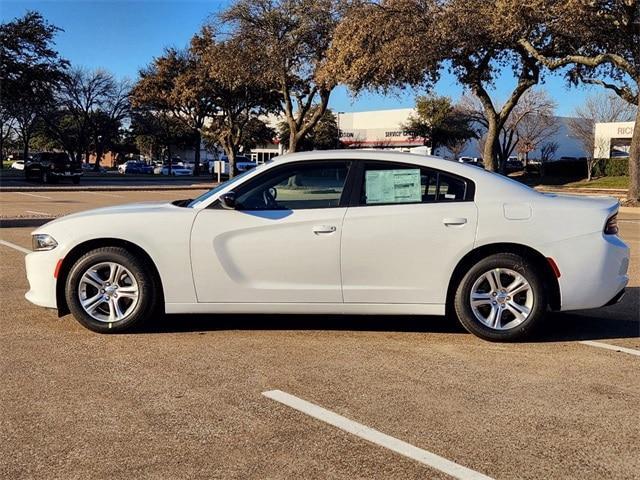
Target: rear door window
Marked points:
386	183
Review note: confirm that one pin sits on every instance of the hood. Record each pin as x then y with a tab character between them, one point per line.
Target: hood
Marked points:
116	209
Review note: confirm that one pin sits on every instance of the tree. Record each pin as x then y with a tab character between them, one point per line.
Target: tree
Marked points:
393	43
30	68
599	42
547	152
87	113
597	108
324	136
530	122
239	91
440	123
156	131
177	84
290	39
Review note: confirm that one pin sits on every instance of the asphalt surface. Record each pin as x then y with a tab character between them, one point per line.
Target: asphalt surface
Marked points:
49	204
183	398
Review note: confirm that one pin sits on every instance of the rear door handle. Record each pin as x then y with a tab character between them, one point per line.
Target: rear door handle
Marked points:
320	229
454	221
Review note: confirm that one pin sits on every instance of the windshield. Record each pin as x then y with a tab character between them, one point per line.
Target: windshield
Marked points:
205	196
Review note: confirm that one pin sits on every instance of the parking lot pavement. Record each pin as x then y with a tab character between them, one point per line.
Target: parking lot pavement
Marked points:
46	204
183	399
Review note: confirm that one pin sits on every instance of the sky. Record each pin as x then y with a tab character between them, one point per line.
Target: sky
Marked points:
124	35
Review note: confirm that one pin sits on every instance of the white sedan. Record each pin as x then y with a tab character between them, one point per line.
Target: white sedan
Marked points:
18	165
342	232
176	171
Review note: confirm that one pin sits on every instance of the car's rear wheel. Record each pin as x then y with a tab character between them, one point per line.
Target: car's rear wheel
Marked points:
109	290
501	298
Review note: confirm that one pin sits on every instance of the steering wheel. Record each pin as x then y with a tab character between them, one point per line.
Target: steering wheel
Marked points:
269	196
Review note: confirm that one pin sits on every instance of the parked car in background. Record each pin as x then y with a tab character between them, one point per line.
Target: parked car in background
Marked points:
176	171
133	166
49	167
18	165
513	164
475	161
91	167
310	232
243	163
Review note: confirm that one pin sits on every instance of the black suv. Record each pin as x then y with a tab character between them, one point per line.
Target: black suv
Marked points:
50	167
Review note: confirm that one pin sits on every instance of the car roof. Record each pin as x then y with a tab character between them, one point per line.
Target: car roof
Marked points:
382	155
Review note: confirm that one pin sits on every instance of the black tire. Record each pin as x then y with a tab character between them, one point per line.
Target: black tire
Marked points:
45	177
537	310
76	180
142	272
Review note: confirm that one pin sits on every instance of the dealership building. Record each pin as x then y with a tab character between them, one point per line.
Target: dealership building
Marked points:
612	139
382	129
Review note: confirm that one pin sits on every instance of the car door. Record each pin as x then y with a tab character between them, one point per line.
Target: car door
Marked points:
282	242
405	231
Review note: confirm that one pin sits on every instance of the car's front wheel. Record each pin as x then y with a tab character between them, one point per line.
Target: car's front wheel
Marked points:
109	290
501	298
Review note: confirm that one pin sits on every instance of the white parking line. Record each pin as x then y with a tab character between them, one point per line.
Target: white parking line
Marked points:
34	195
14	246
427	458
608	346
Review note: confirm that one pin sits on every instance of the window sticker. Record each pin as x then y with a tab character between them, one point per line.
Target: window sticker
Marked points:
393	186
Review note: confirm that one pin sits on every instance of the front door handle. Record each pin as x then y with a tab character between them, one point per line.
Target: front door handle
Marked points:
454	221
320	229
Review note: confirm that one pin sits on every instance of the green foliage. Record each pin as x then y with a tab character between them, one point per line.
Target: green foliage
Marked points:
611	167
30	69
439	122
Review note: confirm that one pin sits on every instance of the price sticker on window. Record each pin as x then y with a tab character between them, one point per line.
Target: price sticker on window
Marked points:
393	186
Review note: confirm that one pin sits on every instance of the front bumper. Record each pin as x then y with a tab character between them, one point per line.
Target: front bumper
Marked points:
40	268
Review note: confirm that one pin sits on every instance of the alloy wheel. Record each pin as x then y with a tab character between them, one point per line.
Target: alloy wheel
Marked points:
108	292
501	298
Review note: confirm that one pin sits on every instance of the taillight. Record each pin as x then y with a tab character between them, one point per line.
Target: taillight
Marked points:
611	227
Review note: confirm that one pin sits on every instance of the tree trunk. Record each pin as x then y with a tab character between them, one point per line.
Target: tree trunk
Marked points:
25	147
99	149
634	163
231	156
293	142
196	161
170	159
489	154
1	148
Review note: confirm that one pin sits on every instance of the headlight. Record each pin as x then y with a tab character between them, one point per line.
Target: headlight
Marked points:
42	241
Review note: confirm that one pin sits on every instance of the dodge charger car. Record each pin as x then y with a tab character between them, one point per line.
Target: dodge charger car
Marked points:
342	232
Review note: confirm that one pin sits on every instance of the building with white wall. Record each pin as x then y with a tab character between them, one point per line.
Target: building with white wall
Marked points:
612	139
383	129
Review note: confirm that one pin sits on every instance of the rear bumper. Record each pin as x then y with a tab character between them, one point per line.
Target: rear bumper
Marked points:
593	270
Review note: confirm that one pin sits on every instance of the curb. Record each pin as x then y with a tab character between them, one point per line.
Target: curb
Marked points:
24	222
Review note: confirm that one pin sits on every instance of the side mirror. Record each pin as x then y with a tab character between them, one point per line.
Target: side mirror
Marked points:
228	201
